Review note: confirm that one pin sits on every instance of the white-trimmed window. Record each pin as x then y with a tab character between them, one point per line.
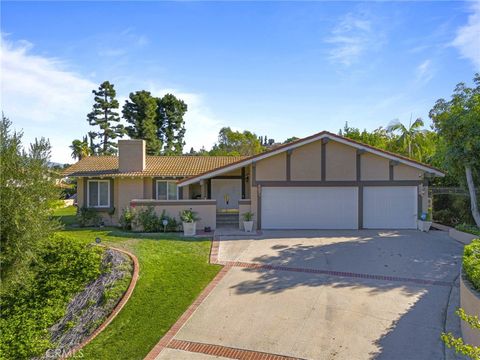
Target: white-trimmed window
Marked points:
98	193
167	190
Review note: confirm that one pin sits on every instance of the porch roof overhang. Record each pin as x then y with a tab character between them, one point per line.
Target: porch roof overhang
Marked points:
430	170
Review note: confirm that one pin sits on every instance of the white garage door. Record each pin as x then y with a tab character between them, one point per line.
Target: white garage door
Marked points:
390	207
309	208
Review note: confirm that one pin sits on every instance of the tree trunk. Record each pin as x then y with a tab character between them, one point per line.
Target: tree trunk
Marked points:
473	195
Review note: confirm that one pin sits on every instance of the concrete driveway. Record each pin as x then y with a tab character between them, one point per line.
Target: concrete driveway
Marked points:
326	295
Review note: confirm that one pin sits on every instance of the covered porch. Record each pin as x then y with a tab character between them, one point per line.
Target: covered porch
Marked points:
230	190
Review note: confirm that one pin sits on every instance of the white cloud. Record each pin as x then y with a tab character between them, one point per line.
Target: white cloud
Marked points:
43	97
467	39
351	38
424	72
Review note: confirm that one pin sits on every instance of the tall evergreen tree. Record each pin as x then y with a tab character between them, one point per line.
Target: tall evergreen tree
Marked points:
170	124
141	112
105	115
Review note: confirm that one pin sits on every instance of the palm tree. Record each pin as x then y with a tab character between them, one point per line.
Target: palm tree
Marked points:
80	149
409	136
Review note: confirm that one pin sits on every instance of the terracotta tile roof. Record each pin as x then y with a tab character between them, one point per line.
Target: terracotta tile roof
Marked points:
175	166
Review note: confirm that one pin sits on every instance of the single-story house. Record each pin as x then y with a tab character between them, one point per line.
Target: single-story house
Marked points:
323	181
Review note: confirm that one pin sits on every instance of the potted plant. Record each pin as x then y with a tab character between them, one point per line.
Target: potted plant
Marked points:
189	219
425	221
248	221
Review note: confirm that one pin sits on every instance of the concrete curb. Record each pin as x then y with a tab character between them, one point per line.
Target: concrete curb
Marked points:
117	309
463	237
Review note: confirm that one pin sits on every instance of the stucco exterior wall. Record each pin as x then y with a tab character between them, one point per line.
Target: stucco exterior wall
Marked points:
272	168
405	172
374	167
205	209
243	207
340	162
126	190
147	188
80	192
305	162
254	205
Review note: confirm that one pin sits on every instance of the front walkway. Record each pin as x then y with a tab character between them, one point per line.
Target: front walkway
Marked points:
323	295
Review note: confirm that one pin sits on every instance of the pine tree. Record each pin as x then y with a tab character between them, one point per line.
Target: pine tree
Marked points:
105	116
141	112
170	124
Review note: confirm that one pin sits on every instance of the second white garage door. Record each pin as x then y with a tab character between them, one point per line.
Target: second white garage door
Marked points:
390	207
309	208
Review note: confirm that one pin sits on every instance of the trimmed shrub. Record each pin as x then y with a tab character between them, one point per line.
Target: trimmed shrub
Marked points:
148	220
88	217
127	218
471	263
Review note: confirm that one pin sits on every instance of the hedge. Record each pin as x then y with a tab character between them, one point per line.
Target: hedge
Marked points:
471	263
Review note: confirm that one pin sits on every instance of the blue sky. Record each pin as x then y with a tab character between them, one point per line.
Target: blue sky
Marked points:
280	69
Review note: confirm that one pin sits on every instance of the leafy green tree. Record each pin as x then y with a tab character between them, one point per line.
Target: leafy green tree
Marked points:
104	115
141	112
291	139
170	124
409	136
80	149
27	190
458	124
236	143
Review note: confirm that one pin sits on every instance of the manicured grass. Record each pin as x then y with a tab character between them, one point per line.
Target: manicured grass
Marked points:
66	215
173	272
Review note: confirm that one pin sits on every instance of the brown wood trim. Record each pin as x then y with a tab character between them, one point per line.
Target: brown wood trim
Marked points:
323	160
339	183
147	202
245	202
360	207
254	174
288	167
243	182
391	169
259	207
358	164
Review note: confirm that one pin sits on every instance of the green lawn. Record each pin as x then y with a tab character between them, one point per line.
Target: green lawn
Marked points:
173	272
66	215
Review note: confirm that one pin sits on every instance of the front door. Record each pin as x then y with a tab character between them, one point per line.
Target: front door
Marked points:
227	192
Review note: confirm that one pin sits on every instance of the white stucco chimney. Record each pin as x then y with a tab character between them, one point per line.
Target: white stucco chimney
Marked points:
131	155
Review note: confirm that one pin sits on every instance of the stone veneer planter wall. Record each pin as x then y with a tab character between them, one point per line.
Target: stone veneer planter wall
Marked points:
470	302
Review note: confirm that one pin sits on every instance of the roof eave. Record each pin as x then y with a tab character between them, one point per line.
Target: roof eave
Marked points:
302	142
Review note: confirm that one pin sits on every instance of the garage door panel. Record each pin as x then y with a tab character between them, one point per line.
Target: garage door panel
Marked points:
309	208
390	207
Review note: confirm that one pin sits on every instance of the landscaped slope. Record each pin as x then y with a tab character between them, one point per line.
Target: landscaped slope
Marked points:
173	272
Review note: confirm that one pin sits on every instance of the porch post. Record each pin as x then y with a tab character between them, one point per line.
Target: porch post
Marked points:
243	182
